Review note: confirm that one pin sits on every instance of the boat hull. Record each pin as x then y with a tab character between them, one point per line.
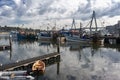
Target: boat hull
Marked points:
76	39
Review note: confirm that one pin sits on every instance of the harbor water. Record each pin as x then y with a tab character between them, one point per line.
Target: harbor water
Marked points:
79	61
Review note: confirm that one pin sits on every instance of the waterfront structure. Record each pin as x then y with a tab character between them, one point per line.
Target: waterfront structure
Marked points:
114	29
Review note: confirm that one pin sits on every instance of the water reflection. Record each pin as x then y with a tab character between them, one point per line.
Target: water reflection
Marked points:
78	61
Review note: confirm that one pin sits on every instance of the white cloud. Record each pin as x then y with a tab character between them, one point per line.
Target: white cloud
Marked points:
116	1
36	11
18	2
5	7
101	4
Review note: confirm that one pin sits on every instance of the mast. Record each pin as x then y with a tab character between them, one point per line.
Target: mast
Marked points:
73	24
80	31
95	20
93	17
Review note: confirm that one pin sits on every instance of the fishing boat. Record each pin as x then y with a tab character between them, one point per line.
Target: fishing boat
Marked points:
75	38
92	36
45	36
76	35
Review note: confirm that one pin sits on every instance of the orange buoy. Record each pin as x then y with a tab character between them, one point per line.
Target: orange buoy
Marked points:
39	66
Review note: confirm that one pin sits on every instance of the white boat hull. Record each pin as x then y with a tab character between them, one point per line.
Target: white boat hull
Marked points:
19	75
76	39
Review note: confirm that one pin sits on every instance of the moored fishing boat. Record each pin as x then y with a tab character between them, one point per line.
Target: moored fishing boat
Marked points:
75	38
76	35
46	36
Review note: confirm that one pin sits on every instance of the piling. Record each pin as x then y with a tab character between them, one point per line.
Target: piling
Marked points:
118	40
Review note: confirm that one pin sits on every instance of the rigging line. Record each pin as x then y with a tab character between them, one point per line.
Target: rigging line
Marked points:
88	24
89	21
101	22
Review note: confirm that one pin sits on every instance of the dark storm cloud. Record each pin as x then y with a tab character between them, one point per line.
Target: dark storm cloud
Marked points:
83	12
44	7
6	13
4	5
110	11
115	10
7	2
18	21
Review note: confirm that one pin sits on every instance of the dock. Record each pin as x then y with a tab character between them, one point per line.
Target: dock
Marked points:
5	47
49	59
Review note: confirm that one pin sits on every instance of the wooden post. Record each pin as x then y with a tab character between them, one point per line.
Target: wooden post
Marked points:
58	68
58	48
10	42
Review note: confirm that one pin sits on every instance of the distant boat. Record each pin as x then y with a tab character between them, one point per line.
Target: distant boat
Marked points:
74	38
14	34
22	36
46	36
75	35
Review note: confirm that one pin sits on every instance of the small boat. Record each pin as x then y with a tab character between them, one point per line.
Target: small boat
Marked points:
38	67
16	75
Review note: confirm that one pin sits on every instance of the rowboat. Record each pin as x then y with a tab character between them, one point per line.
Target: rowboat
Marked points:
38	67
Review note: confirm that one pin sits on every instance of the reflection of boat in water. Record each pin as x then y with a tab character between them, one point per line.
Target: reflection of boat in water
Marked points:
23	68
112	46
44	43
76	45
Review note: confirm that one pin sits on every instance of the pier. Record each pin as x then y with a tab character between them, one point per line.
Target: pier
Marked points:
5	47
49	59
108	38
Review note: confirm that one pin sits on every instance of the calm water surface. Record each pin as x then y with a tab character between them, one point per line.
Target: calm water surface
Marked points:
78	61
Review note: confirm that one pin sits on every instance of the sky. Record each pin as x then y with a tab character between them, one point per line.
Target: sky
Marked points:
46	14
